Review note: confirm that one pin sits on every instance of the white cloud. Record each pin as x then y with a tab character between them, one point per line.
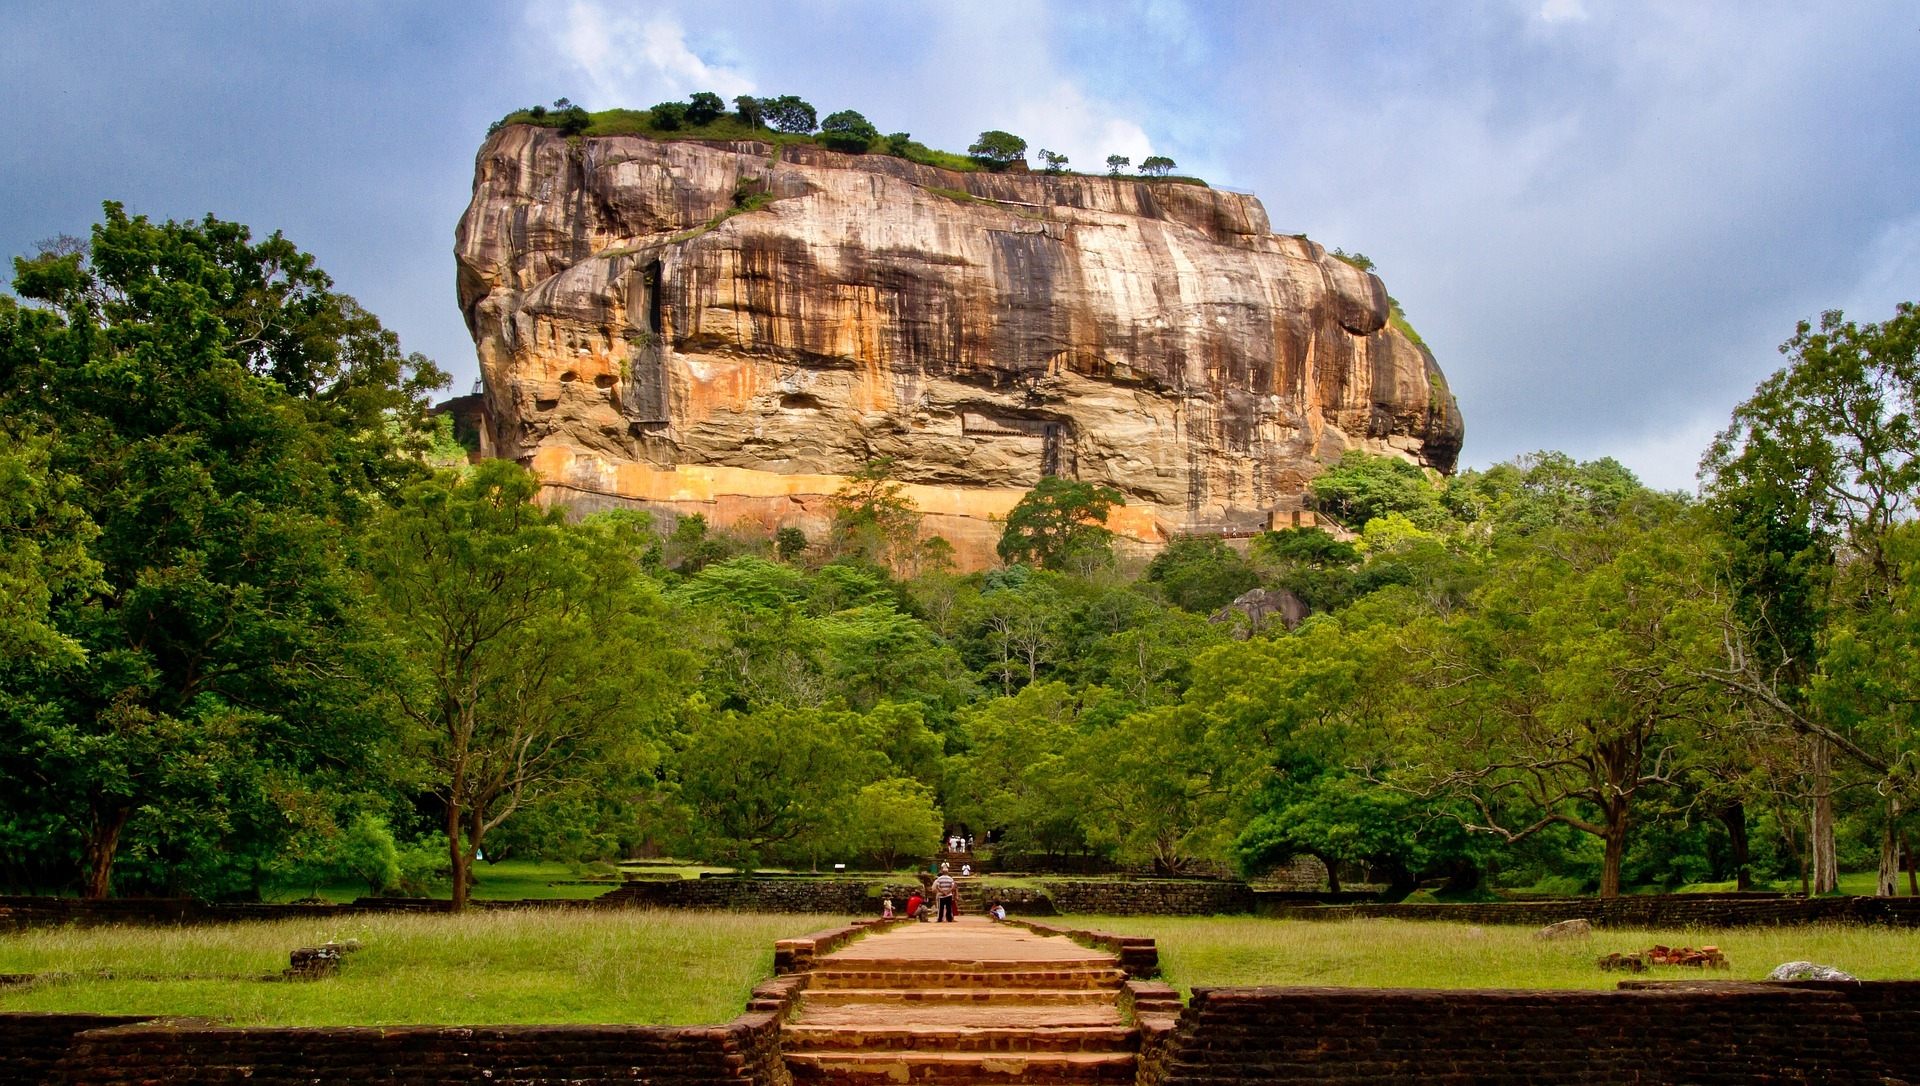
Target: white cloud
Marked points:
1061	118
631	62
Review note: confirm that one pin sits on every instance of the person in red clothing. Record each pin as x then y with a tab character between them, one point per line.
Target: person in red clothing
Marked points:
913	906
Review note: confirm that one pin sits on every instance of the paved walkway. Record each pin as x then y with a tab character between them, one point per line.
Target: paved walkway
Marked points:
967	1002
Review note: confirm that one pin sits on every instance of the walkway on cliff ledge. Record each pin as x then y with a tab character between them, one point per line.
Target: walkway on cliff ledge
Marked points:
965	1002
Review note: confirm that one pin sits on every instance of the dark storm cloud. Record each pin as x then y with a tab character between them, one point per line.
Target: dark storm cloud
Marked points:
1601	216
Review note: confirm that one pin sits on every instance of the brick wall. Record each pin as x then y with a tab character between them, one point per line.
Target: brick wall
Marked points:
1732	1033
744	1051
1638	911
1150	897
30	1044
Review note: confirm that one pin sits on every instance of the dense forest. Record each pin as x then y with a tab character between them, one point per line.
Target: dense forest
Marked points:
264	624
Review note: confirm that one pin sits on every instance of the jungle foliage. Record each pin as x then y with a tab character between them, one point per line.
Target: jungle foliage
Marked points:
256	639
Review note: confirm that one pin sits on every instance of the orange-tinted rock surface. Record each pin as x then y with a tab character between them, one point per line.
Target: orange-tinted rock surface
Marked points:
727	329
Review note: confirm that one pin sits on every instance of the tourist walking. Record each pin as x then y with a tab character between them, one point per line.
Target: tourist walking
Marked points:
943	891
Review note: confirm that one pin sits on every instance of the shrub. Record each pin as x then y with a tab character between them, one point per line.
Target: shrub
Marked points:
896	144
1358	260
997	150
848	132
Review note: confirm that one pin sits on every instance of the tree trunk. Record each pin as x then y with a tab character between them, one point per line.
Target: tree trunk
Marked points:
462	859
1826	864
1333	875
1888	882
1913	869
1616	839
1734	817
103	842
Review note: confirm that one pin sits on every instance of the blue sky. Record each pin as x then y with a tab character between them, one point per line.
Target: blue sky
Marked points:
1603	217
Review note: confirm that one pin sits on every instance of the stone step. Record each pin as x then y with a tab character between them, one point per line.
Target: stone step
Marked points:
1090	960
1043	996
963	1068
1077	977
907	1038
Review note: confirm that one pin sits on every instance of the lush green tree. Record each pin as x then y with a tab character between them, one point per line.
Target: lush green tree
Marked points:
1116	164
788	113
535	651
1055	162
769	784
704	108
997	150
668	116
1814	472
1021	772
1061	524
1156	165
849	132
789	543
205	417
873	518
1363	486
1570	687
893	820
1201	573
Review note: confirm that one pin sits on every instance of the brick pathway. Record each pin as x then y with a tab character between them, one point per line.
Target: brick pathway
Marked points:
970	1002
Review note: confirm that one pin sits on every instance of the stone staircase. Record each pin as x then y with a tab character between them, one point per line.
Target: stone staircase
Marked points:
962	1004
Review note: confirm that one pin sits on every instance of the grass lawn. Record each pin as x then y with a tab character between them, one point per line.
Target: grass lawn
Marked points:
515	880
536	965
1424	954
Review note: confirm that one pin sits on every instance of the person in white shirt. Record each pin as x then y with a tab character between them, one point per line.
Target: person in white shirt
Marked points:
943	892
999	911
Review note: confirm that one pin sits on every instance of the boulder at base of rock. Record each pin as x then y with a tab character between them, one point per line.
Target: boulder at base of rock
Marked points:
1808	971
1565	929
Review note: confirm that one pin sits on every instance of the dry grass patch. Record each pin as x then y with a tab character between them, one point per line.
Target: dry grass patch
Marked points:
534	965
1202	952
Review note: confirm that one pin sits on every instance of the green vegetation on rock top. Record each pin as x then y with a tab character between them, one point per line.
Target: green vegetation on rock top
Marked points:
845	131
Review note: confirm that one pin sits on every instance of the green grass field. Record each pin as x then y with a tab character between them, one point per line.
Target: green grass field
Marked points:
514	880
661	968
1198	952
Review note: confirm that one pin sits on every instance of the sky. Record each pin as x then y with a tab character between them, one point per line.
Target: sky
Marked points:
1603	217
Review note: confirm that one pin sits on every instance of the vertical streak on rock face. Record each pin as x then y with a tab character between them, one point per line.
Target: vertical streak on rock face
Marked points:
643	337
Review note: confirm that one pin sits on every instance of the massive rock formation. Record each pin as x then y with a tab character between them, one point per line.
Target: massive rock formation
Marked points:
724	328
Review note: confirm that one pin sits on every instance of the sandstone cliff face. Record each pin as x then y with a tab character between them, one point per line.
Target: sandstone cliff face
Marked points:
642	338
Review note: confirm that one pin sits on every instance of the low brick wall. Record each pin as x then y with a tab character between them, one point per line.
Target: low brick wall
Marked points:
1150	897
30	1044
1713	1034
1639	911
844	896
744	1051
797	955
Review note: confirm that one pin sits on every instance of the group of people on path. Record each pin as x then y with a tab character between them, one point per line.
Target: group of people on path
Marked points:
946	898
960	843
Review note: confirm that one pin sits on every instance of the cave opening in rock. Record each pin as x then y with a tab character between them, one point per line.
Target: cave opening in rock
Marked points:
799	401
